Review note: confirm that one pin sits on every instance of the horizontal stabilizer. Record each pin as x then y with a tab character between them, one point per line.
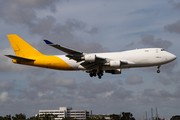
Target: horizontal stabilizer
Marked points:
20	58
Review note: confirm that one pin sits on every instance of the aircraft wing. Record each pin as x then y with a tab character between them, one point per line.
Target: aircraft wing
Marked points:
64	49
20	58
73	54
80	56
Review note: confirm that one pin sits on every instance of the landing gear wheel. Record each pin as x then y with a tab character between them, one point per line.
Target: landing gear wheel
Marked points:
91	74
158	71
94	74
100	74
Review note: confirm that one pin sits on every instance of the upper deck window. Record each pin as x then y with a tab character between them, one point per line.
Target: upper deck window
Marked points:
162	50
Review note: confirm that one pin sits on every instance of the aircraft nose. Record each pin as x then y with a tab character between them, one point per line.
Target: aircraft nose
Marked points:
171	57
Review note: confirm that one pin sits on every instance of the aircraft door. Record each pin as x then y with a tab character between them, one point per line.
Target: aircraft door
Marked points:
156	50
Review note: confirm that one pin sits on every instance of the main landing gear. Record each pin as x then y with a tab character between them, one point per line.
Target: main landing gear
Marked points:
93	73
158	71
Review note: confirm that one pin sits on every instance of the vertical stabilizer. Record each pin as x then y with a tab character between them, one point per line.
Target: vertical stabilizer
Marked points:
21	47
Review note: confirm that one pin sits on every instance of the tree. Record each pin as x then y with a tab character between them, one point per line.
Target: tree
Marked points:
114	117
47	116
19	117
68	118
7	117
34	118
127	116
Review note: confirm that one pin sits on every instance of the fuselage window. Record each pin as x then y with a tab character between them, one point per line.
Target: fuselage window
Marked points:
162	50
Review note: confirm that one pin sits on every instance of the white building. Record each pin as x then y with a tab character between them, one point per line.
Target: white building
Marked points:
68	112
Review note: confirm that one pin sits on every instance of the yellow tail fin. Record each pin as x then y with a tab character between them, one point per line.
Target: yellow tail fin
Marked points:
21	47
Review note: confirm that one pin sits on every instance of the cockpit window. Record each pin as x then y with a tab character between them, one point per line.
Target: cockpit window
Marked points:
162	50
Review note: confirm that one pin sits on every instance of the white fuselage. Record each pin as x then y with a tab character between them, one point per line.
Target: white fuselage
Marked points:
135	58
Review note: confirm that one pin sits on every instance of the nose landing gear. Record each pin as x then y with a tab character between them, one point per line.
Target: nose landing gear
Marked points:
158	71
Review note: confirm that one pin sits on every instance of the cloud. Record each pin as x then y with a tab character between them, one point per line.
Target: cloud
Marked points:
14	14
177	92
157	93
3	96
130	44
43	25
52	81
169	68
90	89
64	35
23	11
133	80
6	85
150	41
40	4
47	27
157	97
175	5
173	28
122	93
92	31
119	82
164	80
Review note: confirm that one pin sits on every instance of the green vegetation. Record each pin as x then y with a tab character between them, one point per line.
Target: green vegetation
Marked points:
23	117
7	117
125	116
96	118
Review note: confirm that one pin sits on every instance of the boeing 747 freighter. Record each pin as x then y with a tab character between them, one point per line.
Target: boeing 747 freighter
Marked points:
93	63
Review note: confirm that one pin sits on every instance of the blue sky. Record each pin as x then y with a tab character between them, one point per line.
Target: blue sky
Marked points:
90	26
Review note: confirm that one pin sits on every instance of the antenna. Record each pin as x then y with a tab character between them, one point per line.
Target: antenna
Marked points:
152	113
156	114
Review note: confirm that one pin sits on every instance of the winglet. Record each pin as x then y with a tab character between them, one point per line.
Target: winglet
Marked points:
48	42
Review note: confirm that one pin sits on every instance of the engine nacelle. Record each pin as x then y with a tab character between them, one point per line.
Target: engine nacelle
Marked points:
90	58
115	64
117	71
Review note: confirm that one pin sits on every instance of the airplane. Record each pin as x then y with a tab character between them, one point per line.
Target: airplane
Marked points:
93	63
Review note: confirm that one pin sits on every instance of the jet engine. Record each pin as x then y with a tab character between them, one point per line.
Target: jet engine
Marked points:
117	71
90	58
115	64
